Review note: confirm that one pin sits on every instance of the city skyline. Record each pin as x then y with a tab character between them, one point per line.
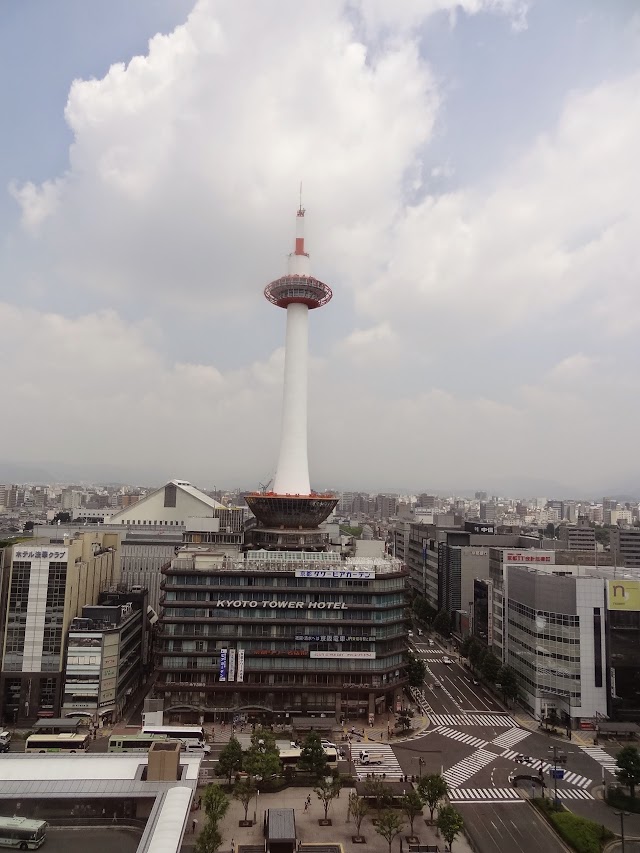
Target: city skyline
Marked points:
469	174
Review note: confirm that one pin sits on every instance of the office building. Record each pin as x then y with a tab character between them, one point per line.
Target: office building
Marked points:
555	641
280	633
48	585
107	657
625	547
577	537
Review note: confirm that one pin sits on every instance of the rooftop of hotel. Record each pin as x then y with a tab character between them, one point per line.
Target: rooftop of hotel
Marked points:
203	558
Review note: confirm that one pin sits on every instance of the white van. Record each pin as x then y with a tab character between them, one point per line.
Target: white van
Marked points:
198	748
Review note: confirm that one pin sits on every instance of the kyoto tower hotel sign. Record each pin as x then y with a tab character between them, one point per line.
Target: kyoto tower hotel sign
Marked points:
292	504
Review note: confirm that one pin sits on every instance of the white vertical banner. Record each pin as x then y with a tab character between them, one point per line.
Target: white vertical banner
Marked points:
232	664
240	673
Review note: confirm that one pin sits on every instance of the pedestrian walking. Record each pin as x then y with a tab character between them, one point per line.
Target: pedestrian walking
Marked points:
233	846
194	825
306	806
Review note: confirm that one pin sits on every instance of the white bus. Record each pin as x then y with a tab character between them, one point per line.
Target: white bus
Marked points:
189	735
22	833
291	757
133	743
57	743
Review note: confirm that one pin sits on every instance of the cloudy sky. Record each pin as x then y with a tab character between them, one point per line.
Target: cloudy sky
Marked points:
470	173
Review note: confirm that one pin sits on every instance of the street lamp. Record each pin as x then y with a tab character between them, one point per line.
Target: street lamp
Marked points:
420	764
622	816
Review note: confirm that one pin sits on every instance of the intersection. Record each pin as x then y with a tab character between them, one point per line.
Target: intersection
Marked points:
481	750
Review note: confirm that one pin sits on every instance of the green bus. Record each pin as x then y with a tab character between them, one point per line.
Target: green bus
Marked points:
22	833
57	743
133	743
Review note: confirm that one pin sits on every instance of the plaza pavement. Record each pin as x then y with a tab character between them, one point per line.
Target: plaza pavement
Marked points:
307	827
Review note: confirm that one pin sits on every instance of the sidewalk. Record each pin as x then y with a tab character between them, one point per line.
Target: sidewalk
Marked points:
308	831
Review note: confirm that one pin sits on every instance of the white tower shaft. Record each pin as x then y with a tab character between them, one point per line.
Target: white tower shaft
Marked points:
292	473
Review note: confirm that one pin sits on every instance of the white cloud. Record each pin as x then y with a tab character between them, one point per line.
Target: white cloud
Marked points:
178	202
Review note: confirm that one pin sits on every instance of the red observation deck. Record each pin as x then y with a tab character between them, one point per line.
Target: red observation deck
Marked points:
303	289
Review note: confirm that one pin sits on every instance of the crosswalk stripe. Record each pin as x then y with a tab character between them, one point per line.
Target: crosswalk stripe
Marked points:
603	758
484	795
461	736
567	794
466	768
511	737
485	720
378	752
577	779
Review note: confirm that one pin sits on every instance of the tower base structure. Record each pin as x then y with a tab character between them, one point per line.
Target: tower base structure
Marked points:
289	522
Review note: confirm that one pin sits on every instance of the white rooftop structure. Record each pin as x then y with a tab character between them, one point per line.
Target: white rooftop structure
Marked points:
107	776
169	506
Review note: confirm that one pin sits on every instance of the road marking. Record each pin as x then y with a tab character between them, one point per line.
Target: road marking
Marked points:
461	736
479	719
465	769
390	768
564	794
484	795
511	737
603	758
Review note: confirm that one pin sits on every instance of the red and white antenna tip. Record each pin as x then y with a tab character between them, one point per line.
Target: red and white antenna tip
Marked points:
299	250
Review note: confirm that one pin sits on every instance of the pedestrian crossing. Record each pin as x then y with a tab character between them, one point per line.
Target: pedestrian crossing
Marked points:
465	769
461	736
566	794
537	765
484	795
382	752
420	699
432	650
511	737
603	758
487	720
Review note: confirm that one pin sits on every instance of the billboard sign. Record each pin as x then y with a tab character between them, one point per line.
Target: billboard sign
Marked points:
223	665
529	556
232	665
343	655
479	527
335	573
56	554
240	672
623	595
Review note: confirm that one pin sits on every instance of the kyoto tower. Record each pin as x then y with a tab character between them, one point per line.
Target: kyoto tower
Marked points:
289	515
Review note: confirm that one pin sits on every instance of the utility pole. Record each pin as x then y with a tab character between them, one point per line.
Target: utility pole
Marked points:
622	816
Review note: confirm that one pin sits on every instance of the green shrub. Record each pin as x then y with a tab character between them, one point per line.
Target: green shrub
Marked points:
583	835
618	799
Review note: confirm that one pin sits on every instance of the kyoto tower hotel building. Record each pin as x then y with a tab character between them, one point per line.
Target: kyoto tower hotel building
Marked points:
288	627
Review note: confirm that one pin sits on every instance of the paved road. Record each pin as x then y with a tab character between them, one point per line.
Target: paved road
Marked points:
105	840
512	827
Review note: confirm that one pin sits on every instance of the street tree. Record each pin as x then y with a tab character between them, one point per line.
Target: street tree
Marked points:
412	805
490	667
465	646
216	803
432	789
209	840
262	759
230	759
244	790
416	670
389	825
327	790
450	823
442	623
476	653
358	808
313	758
628	772
508	681
404	718
375	788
